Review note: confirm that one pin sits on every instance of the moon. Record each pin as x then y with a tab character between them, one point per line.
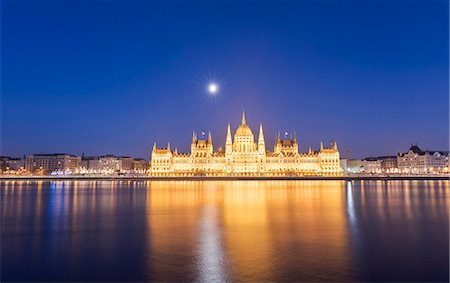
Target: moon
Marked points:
213	88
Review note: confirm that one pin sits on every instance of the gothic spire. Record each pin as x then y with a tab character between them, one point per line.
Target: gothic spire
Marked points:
261	134
228	140
261	144
209	137
243	117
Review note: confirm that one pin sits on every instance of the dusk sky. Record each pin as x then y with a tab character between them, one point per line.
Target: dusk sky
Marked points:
114	77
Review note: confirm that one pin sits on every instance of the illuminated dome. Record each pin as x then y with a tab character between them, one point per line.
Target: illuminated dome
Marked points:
243	130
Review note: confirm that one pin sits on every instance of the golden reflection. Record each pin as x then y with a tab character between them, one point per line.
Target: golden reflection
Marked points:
230	230
260	224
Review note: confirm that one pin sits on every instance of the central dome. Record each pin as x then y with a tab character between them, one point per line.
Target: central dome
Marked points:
243	130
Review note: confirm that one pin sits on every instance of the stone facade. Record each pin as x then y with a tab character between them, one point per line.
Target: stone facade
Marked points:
46	163
417	161
245	157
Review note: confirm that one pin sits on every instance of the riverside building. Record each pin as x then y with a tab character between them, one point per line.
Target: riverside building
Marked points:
243	156
46	163
418	161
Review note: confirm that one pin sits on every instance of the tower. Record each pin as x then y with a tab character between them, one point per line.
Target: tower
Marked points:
209	143
228	142
295	144
228	151
277	147
261	143
193	143
261	151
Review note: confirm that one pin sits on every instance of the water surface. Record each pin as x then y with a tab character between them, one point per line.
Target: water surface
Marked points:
224	231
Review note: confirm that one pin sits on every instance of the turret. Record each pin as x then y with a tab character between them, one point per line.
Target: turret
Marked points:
194	137
209	143
193	143
294	142
277	147
228	142
261	143
209	137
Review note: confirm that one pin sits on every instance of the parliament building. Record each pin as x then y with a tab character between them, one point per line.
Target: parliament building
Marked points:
245	157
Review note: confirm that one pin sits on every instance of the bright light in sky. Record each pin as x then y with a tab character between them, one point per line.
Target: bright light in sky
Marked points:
213	88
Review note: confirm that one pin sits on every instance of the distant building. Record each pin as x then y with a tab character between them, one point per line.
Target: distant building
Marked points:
47	163
111	164
11	164
388	164
352	165
140	165
127	163
417	161
372	165
102	164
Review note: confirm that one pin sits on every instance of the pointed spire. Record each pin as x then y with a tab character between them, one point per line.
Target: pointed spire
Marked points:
309	150
168	146
243	117
194	137
261	134
295	137
321	145
278	137
209	137
335	145
154	146
176	150
228	140
261	143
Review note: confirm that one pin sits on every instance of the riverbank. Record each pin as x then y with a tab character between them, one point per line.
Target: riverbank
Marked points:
228	178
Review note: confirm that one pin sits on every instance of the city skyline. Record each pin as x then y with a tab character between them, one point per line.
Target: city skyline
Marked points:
99	86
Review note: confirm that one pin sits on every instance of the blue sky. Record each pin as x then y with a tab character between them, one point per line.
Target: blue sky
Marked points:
99	77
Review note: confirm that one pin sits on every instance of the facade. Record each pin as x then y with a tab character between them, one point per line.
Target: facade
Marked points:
105	164
372	165
111	164
417	161
380	164
352	165
11	164
389	164
140	165
46	163
245	157
127	163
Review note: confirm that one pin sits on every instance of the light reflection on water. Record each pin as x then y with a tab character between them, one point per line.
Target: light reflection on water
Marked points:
224	231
